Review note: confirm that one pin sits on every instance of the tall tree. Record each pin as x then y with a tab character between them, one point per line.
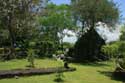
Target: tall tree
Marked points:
90	12
57	19
17	16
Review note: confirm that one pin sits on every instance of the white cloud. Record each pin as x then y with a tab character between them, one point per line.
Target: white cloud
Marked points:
72	38
103	30
107	34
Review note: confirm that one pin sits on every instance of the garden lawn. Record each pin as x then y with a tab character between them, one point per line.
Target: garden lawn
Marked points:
85	73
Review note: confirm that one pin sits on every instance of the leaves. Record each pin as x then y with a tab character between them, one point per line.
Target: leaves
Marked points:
91	12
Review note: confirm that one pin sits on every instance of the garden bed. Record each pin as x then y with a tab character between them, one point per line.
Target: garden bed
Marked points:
31	71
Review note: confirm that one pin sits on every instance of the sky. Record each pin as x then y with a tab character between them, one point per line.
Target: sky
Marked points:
121	4
58	2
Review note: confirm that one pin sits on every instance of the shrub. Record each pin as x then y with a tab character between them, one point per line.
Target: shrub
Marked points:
45	49
67	45
5	53
110	50
58	52
59	77
114	50
30	57
31	54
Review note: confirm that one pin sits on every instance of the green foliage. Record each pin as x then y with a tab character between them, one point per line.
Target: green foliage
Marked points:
114	50
21	24
92	11
59	76
58	52
122	37
18	20
110	50
56	19
31	56
67	45
4	37
122	52
45	49
121	60
121	63
32	44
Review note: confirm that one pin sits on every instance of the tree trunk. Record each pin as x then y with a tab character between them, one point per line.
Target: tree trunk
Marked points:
83	26
12	39
62	45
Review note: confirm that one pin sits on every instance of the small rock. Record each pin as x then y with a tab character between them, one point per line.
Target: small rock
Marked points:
17	77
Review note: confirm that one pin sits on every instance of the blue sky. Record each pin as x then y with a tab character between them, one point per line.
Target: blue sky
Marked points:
61	1
121	6
120	2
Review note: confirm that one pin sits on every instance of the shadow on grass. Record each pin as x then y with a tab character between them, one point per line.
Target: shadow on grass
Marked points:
111	75
94	64
58	80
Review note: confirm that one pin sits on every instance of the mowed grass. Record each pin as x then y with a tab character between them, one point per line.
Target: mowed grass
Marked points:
85	73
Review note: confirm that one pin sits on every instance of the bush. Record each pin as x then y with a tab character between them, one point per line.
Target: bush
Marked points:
114	50
45	49
31	56
121	63
110	50
5	53
119	72
67	45
1	50
58	52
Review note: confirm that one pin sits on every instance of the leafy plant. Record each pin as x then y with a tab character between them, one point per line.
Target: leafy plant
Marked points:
114	50
59	76
31	57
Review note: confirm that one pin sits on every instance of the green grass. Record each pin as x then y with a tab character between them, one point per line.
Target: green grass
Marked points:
86	73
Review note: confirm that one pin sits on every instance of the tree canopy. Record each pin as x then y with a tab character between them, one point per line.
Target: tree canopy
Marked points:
90	12
17	18
56	19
